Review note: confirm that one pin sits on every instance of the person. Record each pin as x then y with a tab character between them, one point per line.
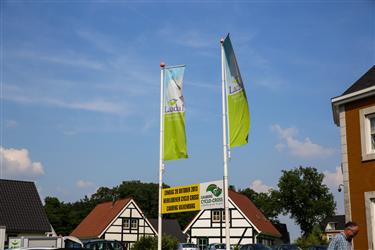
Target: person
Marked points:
343	240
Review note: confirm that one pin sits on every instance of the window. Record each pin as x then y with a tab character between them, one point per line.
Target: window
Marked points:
367	123
134	224
202	243
126	223
218	215
372	132
215	215
223	215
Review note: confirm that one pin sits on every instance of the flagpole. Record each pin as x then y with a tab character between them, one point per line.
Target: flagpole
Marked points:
225	145
161	161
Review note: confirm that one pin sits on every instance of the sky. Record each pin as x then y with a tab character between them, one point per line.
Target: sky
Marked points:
80	89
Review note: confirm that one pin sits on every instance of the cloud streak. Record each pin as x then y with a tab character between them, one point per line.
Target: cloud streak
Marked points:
16	94
301	148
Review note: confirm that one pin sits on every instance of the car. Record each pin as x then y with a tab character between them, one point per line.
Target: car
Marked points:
320	247
215	246
104	245
286	247
187	246
257	246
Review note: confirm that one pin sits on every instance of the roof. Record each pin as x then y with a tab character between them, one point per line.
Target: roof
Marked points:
99	218
170	227
362	88
366	81
21	209
339	219
253	214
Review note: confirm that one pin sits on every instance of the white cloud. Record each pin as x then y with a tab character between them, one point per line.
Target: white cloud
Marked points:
305	148
84	184
333	179
259	187
16	162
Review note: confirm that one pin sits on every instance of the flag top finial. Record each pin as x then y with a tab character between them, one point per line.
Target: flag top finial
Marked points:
222	40
162	65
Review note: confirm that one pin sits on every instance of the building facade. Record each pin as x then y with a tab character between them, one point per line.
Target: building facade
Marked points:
21	211
354	113
247	225
121	220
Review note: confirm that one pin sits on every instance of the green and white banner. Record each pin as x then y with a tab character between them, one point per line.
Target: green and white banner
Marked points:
174	114
238	109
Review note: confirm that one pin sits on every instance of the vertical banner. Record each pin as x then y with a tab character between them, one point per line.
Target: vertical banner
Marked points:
238	109
174	114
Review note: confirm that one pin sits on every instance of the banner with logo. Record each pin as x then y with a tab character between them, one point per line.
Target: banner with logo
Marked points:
174	114
207	195
238	110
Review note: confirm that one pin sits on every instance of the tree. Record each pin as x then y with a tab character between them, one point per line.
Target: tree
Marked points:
266	202
303	194
313	238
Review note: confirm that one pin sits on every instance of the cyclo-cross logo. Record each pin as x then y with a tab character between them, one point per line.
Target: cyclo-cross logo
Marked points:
214	189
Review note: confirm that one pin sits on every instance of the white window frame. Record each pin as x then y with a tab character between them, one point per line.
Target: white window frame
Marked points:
370	217
216	216
364	117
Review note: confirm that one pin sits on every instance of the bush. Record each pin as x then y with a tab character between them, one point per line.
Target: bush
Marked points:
151	243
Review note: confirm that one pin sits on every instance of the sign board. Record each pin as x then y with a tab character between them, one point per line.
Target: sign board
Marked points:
15	243
207	195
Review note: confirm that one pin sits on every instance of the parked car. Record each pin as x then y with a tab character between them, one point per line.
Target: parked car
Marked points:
104	245
320	247
215	246
286	247
187	246
257	246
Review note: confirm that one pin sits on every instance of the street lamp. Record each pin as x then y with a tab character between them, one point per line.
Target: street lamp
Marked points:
339	189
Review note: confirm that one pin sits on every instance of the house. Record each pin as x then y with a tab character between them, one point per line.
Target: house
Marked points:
354	113
120	220
21	210
332	226
171	228
247	224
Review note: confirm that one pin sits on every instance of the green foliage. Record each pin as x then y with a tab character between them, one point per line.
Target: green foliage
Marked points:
266	202
303	195
313	238
151	243
146	243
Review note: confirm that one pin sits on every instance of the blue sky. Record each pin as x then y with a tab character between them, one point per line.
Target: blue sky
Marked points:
80	88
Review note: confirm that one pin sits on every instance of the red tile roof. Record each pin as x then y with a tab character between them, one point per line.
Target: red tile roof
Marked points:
253	214
99	218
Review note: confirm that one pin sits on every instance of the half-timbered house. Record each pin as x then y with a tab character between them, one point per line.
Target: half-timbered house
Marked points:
121	220
247	224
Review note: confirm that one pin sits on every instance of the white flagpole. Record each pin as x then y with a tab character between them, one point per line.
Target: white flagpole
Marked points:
225	144
161	161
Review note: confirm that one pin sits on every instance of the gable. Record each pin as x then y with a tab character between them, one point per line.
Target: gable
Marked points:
21	209
241	206
99	219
